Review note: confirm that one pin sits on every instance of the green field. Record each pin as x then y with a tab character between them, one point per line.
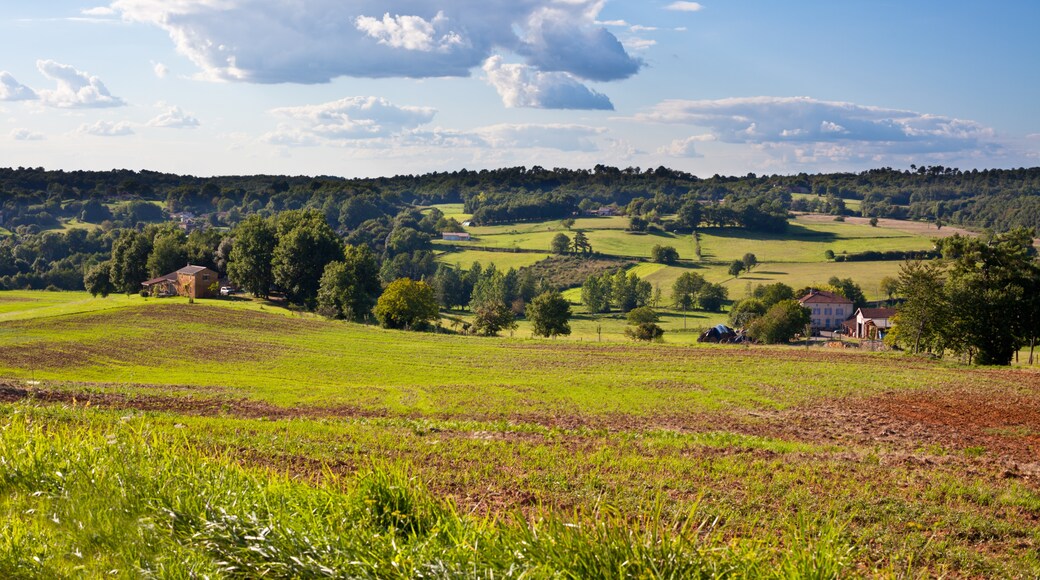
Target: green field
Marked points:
504	260
795	258
806	240
795	275
852	204
235	439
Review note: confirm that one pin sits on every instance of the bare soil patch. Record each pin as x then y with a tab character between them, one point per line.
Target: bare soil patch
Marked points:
906	226
200	347
201	406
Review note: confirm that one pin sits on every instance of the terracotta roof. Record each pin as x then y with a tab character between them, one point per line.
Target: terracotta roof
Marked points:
823	296
878	312
191	269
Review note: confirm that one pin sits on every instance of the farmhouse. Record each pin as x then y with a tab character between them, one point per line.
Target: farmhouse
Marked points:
871	323
828	310
190	281
455	236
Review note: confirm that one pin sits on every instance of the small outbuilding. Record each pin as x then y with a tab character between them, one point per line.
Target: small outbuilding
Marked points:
161	286
871	323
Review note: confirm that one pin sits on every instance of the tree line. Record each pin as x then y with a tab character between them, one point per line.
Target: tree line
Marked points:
980	302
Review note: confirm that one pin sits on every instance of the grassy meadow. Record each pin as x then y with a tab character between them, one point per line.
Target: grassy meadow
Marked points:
236	439
796	258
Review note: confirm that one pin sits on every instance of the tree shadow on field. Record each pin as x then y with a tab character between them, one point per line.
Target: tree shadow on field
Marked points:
794	232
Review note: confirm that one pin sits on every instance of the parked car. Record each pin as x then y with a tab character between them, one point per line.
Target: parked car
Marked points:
228	290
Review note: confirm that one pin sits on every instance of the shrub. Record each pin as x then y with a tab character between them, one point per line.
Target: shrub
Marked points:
664	254
647	331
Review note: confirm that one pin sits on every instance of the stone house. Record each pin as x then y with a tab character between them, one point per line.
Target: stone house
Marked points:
190	281
827	309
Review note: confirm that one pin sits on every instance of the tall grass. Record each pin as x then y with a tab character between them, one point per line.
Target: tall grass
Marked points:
126	500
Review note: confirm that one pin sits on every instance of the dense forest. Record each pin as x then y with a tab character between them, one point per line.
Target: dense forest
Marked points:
57	224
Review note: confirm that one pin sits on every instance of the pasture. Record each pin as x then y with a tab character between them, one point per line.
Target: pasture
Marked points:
807	239
233	438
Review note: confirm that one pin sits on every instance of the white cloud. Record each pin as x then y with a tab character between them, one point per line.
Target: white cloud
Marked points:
160	69
26	135
352	118
107	129
98	11
75	89
521	86
290	136
410	32
12	90
561	137
685	147
636	43
174	118
612	23
760	120
313	42
685	6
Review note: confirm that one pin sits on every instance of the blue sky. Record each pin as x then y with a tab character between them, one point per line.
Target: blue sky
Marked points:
384	87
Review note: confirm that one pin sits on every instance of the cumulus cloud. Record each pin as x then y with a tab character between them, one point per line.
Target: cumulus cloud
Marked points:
352	118
315	41
107	129
75	89
12	90
160	70
174	118
685	6
26	135
521	86
562	137
410	32
760	120
685	147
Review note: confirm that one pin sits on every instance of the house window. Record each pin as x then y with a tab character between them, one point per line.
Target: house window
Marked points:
837	311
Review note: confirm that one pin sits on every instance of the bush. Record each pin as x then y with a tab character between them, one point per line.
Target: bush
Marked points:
647	331
642	315
664	254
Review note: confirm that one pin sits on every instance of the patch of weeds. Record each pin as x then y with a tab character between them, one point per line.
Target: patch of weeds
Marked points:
974	451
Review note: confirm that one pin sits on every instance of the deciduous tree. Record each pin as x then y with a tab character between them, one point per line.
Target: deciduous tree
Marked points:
549	314
406	304
301	255
249	263
780	323
561	244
